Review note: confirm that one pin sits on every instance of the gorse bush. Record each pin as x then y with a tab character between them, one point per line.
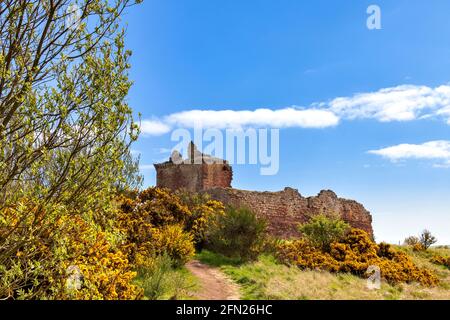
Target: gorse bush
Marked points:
137	229
354	254
158	220
418	247
237	233
440	260
66	242
162	207
174	242
105	252
321	231
152	215
105	269
204	211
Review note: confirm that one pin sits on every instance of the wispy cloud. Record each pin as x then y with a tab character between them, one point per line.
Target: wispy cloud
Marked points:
400	103
154	127
444	165
281	118
433	150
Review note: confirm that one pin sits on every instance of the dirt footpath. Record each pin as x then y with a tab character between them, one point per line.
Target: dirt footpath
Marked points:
214	283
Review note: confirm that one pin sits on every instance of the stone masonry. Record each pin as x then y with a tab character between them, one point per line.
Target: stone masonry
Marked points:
283	210
197	173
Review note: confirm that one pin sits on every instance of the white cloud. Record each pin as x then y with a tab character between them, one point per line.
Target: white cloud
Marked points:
401	103
281	118
444	165
154	127
436	150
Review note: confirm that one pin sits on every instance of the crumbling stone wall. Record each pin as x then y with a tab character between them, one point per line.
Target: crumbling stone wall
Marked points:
216	175
284	210
193	177
179	176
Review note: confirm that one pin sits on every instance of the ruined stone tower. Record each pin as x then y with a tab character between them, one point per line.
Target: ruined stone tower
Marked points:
199	172
283	210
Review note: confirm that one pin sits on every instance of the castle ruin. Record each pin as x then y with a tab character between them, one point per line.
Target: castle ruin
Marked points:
283	210
197	173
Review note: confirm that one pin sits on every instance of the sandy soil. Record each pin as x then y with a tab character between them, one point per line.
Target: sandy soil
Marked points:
214	284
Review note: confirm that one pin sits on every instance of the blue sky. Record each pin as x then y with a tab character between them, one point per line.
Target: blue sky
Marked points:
387	142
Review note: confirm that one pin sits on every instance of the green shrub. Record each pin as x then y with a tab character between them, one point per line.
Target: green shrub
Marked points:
204	211
321	231
237	234
427	239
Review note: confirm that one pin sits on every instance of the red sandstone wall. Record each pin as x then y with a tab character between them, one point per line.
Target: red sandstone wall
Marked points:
285	209
216	175
181	176
193	177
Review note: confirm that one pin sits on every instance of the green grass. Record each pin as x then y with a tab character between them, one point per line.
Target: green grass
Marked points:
216	259
267	279
178	284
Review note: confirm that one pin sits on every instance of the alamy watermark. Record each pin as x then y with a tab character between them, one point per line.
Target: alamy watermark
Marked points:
74	279
73	16
374	20
238	146
374	280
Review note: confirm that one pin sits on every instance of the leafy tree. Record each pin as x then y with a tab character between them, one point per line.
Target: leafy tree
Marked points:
427	239
65	126
63	115
322	230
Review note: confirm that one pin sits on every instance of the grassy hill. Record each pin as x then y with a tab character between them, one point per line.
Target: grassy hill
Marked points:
267	279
